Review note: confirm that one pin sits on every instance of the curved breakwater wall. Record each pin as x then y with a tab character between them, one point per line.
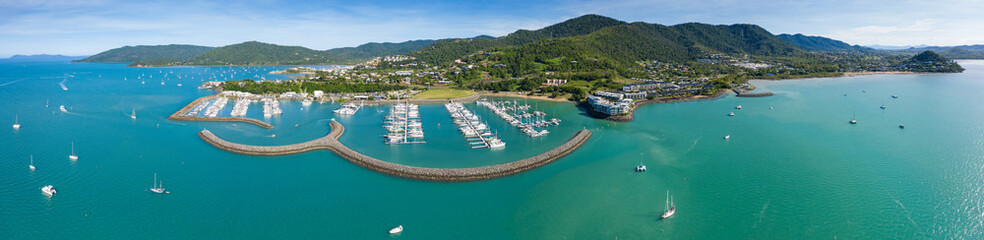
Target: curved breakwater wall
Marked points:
330	142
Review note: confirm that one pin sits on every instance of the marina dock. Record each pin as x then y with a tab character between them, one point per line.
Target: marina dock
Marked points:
199	104
476	133
330	142
532	124
403	124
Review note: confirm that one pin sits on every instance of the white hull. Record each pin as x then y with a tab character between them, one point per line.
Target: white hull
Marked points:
396	230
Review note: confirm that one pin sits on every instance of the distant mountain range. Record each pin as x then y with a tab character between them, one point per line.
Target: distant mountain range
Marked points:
45	56
589	37
819	44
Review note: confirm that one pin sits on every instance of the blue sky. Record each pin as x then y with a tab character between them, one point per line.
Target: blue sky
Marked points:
80	27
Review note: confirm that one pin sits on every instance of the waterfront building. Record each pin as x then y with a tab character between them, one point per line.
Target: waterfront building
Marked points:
602	105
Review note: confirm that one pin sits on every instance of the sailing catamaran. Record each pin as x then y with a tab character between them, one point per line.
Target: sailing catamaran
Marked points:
670	208
158	189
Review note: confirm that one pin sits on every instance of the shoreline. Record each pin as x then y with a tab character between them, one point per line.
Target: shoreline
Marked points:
521	95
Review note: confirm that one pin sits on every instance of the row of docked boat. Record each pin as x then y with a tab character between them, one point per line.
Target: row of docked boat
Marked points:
531	123
403	124
271	107
198	108
218	105
348	109
476	133
242	105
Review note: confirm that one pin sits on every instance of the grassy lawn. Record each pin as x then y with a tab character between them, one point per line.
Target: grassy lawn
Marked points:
443	93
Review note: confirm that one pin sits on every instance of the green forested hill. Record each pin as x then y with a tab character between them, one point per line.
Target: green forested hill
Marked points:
817	43
371	50
450	49
622	46
142	53
618	43
257	53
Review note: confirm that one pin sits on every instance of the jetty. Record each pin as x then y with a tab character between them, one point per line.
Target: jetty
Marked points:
197	105
330	142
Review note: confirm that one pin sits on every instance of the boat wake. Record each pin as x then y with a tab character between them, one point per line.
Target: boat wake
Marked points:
762	213
62	84
8	83
907	213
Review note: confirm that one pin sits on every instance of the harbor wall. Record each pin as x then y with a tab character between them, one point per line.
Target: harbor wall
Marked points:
330	142
180	114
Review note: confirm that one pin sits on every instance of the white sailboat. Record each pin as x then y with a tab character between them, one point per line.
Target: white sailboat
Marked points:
32	164
670	208
158	189
133	114
73	157
16	125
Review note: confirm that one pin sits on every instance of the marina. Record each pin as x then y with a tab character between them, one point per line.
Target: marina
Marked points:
532	123
477	134
403	124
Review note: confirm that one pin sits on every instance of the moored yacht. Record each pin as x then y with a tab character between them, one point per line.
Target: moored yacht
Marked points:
73	157
48	190
670	208
16	125
158	189
32	164
731	114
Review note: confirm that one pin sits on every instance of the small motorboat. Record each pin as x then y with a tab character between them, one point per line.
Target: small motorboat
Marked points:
726	137
48	190
396	230
641	168
731	114
854	121
62	108
738	107
901	126
895	96
882	106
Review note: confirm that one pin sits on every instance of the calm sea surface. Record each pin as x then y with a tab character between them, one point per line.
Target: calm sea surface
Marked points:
792	168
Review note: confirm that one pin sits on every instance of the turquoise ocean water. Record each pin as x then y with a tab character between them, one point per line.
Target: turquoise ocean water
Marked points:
798	170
